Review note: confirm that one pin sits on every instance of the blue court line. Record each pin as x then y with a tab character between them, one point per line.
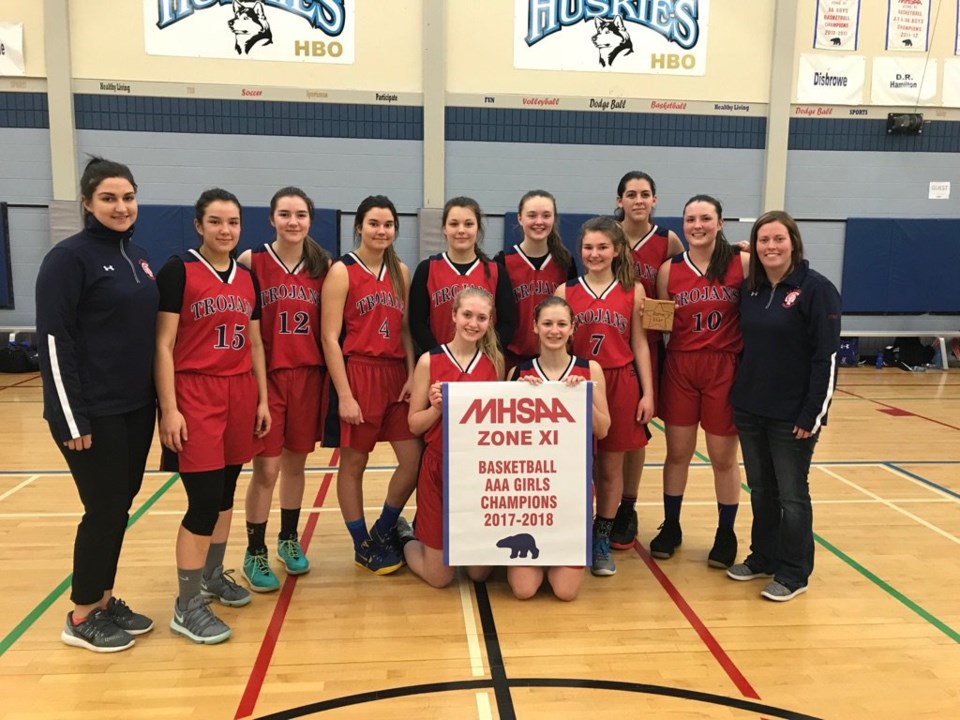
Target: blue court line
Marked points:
923	480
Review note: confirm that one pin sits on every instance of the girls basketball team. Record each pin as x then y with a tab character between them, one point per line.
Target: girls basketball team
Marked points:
262	355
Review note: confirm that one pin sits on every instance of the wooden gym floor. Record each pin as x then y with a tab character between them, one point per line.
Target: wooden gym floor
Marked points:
877	636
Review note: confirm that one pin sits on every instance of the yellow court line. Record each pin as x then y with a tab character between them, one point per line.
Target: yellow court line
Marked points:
22	485
470	625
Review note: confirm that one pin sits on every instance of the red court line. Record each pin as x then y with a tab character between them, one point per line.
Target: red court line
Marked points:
25	380
733	672
269	643
891	407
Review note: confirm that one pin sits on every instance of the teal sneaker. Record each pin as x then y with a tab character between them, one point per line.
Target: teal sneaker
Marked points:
257	572
291	553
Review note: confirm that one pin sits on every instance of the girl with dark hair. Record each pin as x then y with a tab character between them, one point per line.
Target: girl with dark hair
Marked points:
212	387
96	308
535	268
440	277
607	304
365	301
289	272
790	318
472	355
650	245
698	373
553	325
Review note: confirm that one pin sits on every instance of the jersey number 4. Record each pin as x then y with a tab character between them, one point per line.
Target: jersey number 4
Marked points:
236	342
384	330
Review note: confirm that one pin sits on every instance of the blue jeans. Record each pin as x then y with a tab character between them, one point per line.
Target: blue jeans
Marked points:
777	465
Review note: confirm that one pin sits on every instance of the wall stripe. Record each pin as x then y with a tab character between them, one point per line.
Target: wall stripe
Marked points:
24	110
866	135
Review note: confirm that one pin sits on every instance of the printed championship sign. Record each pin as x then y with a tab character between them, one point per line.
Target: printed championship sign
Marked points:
837	25
318	31
517	465
633	36
908	25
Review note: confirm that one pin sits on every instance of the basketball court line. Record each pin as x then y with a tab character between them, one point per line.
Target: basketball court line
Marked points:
22	485
920	480
893	407
48	601
258	673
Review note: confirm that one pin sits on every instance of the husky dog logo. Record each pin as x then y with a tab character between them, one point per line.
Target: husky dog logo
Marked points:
249	25
611	39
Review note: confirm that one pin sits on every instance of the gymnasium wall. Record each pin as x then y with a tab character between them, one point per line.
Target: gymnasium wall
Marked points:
344	131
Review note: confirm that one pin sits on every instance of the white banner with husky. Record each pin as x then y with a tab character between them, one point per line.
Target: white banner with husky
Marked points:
318	31
11	49
831	79
908	24
667	37
900	81
837	25
517	465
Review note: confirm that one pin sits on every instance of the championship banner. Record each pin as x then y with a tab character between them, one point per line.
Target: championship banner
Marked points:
517	465
908	23
11	49
317	31
837	25
667	37
951	83
831	79
903	81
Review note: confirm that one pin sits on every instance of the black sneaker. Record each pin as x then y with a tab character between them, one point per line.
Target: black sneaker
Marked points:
390	543
624	531
724	551
667	540
98	633
126	619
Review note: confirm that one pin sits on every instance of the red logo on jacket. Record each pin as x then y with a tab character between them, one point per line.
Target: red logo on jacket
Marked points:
791	298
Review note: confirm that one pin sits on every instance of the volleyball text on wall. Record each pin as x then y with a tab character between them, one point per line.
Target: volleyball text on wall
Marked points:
318	31
517	466
632	36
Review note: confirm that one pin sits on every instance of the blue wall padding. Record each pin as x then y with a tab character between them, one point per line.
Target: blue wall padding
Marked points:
165	230
901	266
570	224
6	292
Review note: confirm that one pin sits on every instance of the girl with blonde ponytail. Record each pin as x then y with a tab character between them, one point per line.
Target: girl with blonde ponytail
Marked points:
607	305
471	355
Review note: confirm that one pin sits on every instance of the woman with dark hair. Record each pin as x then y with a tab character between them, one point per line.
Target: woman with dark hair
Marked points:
364	307
535	267
212	388
701	362
606	303
439	278
790	318
650	246
289	272
96	307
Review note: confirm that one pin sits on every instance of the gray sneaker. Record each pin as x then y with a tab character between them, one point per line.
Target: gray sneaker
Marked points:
742	571
221	585
198	622
778	592
98	633
126	619
603	564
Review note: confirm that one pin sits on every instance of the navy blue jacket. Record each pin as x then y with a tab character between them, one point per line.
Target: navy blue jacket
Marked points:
791	334
96	316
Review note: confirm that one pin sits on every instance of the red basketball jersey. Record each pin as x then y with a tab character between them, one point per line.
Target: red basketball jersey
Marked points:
531	368
707	314
212	336
648	255
372	314
444	283
601	323
530	285
445	368
289	311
